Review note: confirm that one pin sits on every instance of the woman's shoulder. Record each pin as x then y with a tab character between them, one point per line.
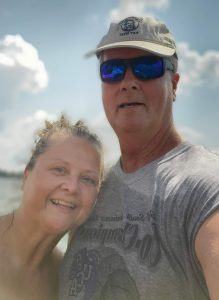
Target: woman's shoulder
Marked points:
6	222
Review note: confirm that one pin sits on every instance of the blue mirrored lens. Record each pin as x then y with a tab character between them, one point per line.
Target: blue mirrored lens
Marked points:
112	70
148	67
145	67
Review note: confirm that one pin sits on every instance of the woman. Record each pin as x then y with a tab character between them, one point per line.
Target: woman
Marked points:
60	185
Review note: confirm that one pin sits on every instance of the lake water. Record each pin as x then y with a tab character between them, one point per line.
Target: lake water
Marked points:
10	188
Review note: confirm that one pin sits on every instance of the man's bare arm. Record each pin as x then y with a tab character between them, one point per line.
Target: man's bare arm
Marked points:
207	251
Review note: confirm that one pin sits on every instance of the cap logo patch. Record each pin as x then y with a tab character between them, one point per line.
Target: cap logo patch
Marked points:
128	26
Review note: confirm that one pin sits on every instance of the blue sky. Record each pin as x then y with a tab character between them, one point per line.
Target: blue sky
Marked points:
43	70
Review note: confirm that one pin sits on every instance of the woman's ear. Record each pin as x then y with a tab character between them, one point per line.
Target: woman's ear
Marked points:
25	175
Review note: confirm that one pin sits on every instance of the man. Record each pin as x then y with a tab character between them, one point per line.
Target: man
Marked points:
154	233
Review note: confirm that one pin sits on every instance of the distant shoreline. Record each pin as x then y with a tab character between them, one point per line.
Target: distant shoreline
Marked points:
6	174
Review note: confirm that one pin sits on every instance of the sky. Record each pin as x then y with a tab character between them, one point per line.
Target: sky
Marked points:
43	69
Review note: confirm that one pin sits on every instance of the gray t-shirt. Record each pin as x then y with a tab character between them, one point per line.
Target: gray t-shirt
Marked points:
139	242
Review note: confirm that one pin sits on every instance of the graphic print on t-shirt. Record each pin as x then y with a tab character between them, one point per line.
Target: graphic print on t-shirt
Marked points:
99	271
101	274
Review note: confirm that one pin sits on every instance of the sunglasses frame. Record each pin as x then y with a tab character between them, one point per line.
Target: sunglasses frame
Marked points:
166	65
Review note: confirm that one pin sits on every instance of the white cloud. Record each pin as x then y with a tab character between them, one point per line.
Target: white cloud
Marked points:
136	8
216	151
197	69
17	138
158	4
20	69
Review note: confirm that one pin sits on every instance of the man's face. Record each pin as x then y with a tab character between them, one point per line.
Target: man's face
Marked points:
133	105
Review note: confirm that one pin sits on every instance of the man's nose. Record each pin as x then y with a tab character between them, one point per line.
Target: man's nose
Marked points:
129	82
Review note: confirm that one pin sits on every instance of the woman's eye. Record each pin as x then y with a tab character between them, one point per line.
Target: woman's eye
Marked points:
59	170
89	180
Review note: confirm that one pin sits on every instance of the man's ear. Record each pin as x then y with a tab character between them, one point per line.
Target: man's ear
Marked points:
175	80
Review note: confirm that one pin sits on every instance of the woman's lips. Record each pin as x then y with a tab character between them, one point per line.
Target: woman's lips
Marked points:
63	203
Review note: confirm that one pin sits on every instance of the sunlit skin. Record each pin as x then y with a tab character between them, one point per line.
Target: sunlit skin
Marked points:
145	131
59	194
63	188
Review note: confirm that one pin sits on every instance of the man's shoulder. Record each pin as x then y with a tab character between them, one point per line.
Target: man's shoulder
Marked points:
197	155
202	157
191	167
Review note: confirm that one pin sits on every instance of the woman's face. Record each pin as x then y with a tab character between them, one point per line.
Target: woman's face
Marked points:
60	191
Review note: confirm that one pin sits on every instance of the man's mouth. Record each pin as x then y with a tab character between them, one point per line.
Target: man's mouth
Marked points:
130	104
63	203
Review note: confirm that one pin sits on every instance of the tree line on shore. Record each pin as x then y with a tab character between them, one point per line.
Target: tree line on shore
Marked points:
10	174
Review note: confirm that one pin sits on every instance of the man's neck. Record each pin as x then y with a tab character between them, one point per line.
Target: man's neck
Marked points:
138	150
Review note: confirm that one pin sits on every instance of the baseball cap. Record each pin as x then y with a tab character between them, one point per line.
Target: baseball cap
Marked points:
149	34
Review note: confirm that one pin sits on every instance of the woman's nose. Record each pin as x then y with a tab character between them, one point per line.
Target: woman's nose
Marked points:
70	185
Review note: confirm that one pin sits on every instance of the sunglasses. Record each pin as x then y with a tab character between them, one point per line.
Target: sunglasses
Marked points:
143	67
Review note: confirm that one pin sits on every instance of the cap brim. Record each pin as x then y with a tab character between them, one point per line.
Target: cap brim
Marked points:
155	48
